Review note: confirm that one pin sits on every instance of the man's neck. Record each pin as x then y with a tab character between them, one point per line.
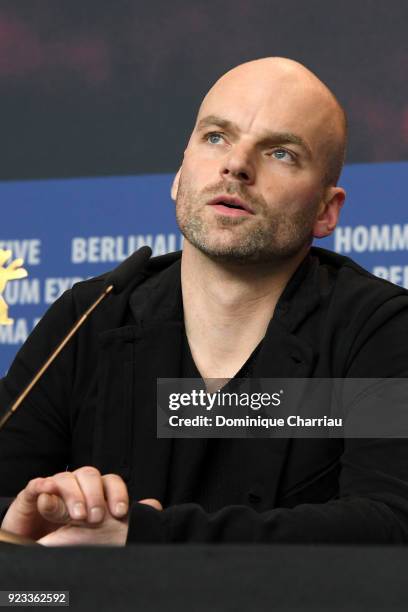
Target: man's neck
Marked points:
227	308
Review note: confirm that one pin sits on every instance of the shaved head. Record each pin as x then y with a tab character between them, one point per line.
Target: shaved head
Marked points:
259	175
271	74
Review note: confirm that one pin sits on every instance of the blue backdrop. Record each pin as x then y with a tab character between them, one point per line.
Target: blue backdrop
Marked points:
68	230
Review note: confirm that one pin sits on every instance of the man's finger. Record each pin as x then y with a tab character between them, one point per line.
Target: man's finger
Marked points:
154	503
90	482
116	495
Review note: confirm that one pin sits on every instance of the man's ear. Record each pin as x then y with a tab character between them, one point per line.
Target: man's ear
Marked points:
328	216
175	185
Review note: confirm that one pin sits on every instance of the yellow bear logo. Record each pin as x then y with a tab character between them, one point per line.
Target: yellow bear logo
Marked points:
13	271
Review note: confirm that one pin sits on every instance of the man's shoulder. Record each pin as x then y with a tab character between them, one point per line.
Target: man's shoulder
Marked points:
359	320
349	277
339	292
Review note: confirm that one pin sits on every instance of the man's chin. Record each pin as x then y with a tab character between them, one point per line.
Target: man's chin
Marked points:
232	254
245	253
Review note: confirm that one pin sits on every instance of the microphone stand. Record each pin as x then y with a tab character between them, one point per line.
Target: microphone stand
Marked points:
52	357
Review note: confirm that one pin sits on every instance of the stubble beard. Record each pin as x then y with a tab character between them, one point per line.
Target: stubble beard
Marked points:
274	237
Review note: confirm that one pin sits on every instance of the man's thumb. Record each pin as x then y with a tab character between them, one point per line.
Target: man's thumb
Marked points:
52	508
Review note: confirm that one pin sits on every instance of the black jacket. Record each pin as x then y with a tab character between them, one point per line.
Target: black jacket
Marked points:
96	406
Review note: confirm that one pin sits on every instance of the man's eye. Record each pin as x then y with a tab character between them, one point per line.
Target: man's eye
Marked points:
283	154
214	138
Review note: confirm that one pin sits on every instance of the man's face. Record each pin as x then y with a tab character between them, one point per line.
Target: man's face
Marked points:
251	184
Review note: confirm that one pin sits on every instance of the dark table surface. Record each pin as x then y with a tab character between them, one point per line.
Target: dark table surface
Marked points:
213	577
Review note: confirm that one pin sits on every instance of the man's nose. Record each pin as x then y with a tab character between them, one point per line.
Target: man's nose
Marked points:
238	165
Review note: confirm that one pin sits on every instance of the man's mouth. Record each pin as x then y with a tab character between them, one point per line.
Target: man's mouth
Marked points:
230	206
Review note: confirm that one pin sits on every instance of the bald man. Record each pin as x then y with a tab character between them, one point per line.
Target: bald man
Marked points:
248	296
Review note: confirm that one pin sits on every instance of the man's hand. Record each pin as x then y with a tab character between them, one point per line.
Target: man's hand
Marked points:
71	508
109	532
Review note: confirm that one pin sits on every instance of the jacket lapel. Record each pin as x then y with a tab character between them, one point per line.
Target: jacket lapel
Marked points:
157	354
284	355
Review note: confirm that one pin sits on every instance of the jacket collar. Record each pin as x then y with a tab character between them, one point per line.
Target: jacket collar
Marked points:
159	298
156	305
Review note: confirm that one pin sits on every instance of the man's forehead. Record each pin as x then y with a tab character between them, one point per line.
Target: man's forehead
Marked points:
263	94
260	115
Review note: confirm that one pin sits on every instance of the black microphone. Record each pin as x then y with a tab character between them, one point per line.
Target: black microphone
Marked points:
116	281
121	276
